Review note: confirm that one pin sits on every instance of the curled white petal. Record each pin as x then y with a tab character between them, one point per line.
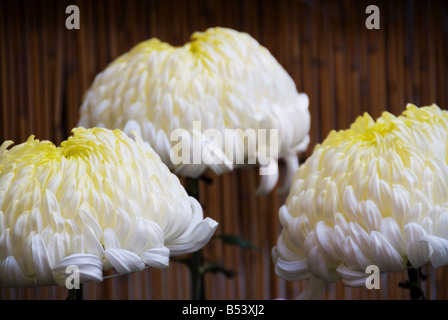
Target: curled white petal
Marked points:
313	290
11	274
156	257
439	256
353	256
391	231
269	176
350	277
418	251
384	254
42	266
195	239
292	164
290	270
90	267
124	261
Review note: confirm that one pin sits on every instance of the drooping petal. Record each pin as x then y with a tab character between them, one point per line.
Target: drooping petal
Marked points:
292	270
390	229
370	214
195	239
124	261
268	178
41	262
318	266
323	237
351	278
111	239
439	257
313	290
353	256
90	267
156	257
384	254
11	274
292	164
418	251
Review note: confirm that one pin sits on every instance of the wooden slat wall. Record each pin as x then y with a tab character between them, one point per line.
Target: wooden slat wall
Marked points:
343	67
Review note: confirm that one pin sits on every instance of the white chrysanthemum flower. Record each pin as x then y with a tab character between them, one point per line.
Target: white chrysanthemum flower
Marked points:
225	80
100	201
375	194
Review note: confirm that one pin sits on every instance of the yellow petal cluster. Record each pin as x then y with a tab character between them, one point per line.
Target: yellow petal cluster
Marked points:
223	78
99	201
375	194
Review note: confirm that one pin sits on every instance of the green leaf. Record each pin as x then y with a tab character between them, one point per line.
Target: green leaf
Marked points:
233	240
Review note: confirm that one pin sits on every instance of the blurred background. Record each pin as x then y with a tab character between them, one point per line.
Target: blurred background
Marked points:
325	46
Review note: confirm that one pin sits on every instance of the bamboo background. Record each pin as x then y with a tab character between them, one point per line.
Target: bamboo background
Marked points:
344	68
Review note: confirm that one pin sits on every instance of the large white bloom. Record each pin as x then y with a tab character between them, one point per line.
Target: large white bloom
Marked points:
100	201
375	194
223	78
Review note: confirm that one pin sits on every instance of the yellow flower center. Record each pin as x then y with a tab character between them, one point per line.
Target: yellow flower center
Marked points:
75	150
378	131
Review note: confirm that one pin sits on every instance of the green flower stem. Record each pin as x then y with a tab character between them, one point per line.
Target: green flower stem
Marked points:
75	294
197	277
195	264
415	284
